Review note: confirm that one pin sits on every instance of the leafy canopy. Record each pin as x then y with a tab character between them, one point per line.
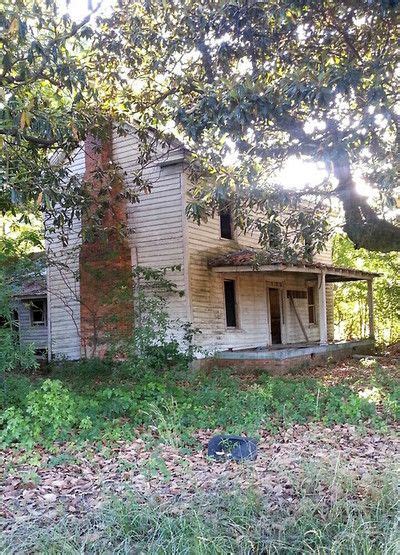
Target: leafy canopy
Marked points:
274	79
269	80
47	105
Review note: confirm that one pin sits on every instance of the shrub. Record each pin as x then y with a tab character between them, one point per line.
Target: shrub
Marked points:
15	391
115	403
49	413
13	356
52	409
85	370
153	344
15	427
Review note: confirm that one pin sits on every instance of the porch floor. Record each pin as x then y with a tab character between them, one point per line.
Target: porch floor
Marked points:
296	350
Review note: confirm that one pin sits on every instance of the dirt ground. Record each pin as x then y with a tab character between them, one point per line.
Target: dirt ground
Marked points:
85	478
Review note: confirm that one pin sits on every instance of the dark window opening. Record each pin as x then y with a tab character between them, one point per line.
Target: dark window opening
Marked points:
230	303
225	219
311	305
38	312
275	315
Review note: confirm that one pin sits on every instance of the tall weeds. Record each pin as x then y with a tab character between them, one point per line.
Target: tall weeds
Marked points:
240	522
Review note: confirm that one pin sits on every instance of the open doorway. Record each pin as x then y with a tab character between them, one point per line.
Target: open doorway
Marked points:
275	316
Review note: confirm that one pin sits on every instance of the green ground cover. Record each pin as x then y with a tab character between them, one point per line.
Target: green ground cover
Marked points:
100	458
94	400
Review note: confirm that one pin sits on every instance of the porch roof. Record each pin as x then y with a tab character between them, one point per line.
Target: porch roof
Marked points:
252	260
35	287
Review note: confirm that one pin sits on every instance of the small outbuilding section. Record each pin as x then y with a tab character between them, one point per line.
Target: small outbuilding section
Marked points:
31	315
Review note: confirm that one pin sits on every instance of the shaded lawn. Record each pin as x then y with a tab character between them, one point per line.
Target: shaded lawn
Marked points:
311	489
318	487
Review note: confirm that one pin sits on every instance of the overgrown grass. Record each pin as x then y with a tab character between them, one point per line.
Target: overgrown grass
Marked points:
239	522
94	400
328	510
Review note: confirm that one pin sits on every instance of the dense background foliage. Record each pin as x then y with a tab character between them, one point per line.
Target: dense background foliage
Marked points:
267	81
351	309
19	241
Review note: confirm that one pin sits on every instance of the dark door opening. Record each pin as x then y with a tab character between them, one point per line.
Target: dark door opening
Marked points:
275	316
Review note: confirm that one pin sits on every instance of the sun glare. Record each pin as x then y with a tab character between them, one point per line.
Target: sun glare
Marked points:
76	9
297	174
79	9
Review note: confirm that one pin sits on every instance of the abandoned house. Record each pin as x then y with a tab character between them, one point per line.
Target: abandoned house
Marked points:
274	314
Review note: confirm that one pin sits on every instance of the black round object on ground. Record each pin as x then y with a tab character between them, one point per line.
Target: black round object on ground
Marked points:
237	448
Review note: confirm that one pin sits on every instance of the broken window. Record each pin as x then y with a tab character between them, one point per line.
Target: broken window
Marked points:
225	219
311	305
38	312
230	303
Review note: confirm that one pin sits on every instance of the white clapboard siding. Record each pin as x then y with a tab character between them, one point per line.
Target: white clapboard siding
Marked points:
253	311
28	333
157	221
63	285
155	227
161	236
207	296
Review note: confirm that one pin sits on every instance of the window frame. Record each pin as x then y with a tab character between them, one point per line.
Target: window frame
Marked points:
235	304
311	305
226	212
32	308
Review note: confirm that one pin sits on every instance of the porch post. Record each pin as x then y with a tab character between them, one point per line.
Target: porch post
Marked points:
323	325
371	310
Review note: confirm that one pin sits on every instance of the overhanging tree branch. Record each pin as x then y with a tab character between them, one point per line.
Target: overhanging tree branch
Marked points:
38	141
363	226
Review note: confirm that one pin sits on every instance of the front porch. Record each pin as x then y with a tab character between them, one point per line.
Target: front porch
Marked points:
280	358
299	320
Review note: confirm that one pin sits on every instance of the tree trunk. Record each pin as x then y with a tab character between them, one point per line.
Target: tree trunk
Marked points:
362	225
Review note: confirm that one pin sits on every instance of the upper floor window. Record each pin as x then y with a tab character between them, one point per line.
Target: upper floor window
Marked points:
38	312
225	219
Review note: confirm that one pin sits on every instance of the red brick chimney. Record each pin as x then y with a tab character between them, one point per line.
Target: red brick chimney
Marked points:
105	258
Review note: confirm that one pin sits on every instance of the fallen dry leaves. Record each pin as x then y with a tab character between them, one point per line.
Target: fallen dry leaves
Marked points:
348	371
90	476
35	486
